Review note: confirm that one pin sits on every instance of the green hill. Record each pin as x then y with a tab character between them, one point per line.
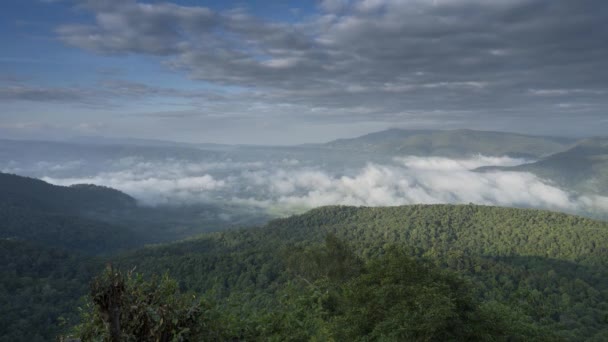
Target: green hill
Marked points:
72	233
35	194
546	267
62	217
455	143
541	275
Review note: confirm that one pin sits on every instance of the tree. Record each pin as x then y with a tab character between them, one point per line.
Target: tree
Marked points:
129	308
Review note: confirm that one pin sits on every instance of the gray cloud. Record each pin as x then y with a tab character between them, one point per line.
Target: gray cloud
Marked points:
469	61
41	94
109	92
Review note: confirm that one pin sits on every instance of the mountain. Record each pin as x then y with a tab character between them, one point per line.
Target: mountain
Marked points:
547	268
583	168
454	143
47	244
36	194
25	201
51	240
63	217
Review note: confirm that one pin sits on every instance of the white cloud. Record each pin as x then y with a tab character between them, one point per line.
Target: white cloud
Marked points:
152	190
448	164
289	186
381	185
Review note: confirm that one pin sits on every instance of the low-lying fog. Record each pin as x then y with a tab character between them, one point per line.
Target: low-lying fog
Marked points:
281	185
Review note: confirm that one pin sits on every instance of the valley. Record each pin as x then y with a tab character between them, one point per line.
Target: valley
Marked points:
233	238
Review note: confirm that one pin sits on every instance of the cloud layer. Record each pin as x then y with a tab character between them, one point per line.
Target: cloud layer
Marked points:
385	59
501	65
286	186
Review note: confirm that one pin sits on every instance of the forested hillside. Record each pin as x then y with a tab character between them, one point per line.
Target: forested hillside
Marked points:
499	272
35	194
63	217
538	266
95	219
40	289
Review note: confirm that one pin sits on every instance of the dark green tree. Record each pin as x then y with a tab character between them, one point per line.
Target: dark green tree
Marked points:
127	307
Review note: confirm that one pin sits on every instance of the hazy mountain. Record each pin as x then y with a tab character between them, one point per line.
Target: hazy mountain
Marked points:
583	168
455	143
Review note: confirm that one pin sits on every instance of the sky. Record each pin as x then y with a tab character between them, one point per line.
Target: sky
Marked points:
289	72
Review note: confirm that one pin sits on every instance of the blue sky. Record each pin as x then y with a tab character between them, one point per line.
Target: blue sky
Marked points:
278	72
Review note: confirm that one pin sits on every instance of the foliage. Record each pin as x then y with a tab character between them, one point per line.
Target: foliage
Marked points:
55	216
129	308
513	272
546	267
39	290
57	230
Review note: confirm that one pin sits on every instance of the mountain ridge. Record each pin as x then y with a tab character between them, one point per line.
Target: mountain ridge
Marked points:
583	167
454	143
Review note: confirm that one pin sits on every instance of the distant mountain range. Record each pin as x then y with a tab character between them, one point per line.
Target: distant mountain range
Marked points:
454	143
583	167
579	165
575	164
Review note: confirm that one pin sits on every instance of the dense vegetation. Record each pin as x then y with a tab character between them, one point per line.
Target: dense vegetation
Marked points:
528	273
48	237
537	266
69	232
56	216
129	308
39	290
333	296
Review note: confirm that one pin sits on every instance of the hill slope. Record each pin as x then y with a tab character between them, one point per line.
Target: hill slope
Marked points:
456	143
550	267
36	194
37	286
57	216
583	168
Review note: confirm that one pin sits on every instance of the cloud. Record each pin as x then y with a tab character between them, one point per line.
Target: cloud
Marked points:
413	180
444	62
42	94
127	26
152	190
446	164
288	186
106	94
